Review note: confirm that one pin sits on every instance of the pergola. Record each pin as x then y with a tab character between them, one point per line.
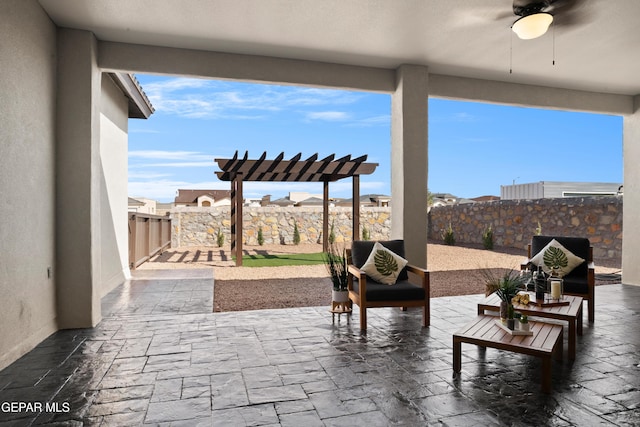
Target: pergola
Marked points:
326	170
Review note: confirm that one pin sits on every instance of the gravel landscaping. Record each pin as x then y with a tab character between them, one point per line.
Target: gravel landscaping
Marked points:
454	270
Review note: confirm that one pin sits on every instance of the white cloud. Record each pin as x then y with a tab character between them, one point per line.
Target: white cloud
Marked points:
464	117
170	155
208	164
384	120
175	84
165	190
195	98
174	159
331	116
143	131
146	175
460	117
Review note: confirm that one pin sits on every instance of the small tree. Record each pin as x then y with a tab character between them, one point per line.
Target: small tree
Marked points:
220	238
487	238
365	233
296	234
447	236
429	198
539	229
332	233
335	260
260	237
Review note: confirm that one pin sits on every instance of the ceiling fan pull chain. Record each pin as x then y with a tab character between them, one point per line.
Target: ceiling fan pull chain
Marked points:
511	53
553	36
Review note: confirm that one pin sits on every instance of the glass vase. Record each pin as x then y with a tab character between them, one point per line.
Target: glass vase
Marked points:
555	287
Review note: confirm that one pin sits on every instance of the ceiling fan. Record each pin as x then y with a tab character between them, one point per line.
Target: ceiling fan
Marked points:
537	15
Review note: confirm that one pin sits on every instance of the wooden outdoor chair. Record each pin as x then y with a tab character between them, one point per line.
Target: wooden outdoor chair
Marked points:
367	293
581	280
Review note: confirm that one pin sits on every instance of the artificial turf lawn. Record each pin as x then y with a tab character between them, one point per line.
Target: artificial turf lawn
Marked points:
268	260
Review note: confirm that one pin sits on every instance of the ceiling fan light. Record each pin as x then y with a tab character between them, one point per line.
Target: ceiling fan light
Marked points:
532	26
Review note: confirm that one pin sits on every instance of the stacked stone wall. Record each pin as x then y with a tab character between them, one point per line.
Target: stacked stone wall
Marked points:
200	226
514	222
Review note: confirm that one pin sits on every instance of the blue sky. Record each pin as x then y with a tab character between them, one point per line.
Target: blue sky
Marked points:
473	147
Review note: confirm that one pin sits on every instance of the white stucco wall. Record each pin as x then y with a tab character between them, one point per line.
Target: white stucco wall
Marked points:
114	204
27	177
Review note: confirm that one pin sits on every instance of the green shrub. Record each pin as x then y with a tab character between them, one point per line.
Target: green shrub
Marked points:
220	238
296	234
539	229
332	233
365	233
447	236
487	238
260	237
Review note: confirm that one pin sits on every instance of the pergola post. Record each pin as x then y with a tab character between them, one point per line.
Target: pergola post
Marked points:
233	214
239	201
356	207
325	216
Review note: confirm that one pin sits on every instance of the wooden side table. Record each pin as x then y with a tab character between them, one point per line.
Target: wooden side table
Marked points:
571	313
545	342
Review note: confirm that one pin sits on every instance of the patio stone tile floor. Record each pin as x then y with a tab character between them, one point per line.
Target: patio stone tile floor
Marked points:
161	357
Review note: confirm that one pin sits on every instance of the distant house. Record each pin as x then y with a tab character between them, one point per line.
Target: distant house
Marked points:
558	189
485	198
134	205
164	208
448	199
298	196
281	202
142	205
307	199
443	199
311	201
203	198
367	201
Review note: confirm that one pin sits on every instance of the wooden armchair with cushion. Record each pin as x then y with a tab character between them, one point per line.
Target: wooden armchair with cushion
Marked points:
368	293
580	280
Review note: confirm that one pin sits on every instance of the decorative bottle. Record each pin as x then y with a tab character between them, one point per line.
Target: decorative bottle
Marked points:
541	285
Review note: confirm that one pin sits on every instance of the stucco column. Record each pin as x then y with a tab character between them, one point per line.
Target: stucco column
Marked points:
631	198
409	161
78	180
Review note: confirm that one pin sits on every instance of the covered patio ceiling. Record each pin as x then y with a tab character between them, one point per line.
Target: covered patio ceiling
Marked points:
596	41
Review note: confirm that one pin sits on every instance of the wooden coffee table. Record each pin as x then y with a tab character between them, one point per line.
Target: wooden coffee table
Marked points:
483	331
571	313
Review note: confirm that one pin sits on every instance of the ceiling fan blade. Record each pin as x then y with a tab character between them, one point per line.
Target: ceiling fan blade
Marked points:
569	12
528	7
565	12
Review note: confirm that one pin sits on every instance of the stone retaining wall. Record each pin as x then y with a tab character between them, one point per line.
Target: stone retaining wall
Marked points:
515	221
199	226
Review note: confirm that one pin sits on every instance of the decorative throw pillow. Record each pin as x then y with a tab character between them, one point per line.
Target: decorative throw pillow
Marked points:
383	265
556	257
